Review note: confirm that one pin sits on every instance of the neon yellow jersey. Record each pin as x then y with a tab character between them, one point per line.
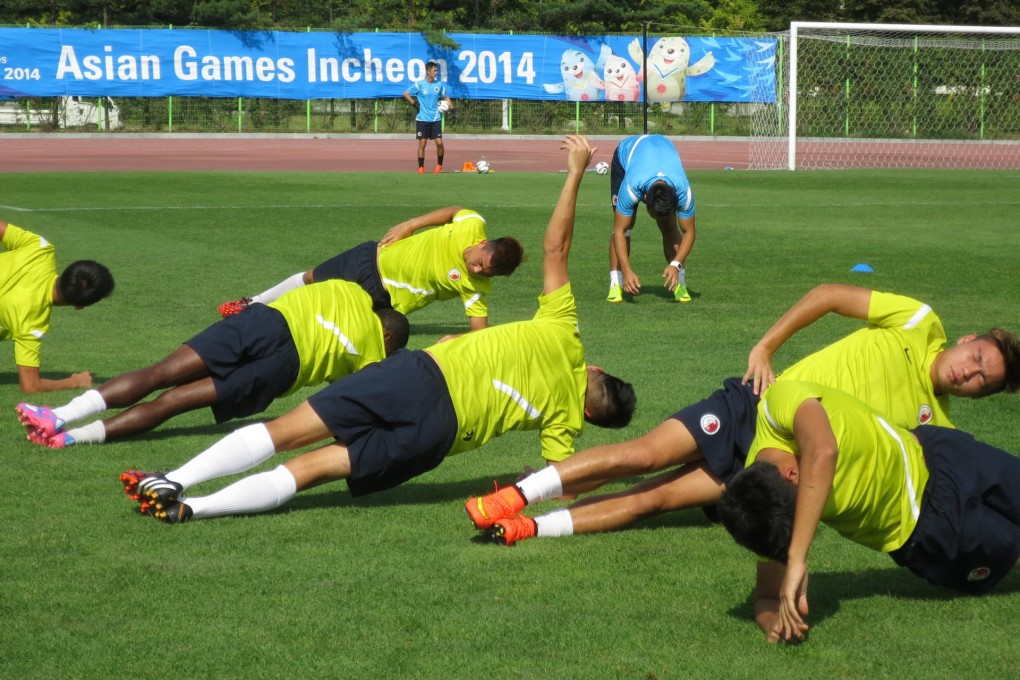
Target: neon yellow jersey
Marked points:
528	375
28	272
429	266
887	365
880	470
334	329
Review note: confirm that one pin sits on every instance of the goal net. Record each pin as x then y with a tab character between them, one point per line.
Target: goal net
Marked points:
871	96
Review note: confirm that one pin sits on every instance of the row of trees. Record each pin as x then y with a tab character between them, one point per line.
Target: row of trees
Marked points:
584	17
555	16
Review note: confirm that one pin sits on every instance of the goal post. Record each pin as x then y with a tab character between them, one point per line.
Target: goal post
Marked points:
895	95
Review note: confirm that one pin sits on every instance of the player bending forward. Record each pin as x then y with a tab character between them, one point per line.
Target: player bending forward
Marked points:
401	417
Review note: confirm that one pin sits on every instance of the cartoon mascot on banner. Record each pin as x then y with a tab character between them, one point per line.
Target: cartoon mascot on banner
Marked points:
668	68
581	82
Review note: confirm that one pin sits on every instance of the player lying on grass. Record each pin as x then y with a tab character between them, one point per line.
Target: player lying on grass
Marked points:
238	365
898	364
29	289
647	169
403	416
408	271
939	502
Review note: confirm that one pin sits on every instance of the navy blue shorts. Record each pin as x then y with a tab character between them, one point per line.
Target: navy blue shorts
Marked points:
428	129
358	265
395	417
252	359
616	173
968	533
723	426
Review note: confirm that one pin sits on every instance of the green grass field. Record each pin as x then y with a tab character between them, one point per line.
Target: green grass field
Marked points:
395	585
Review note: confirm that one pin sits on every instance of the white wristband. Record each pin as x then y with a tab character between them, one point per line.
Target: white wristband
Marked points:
676	264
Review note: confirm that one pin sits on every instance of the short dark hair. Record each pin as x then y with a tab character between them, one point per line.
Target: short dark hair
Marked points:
507	255
757	509
1009	345
396	326
431	65
612	403
661	200
84	283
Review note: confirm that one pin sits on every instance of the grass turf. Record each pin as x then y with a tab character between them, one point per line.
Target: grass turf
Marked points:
395	585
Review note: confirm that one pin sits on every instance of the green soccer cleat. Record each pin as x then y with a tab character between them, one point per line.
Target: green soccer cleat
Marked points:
680	293
615	294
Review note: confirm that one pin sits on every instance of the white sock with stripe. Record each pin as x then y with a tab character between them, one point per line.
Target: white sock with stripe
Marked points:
93	433
84	405
555	523
541	485
257	493
285	286
239	451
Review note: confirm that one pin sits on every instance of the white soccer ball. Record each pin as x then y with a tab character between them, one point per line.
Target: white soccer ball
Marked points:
482	167
444	106
602	168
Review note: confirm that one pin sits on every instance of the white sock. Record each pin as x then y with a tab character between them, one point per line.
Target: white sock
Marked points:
616	277
93	433
541	485
258	493
555	523
681	276
239	451
84	405
285	286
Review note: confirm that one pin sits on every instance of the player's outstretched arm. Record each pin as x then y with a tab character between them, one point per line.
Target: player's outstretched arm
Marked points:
849	301
31	382
560	231
432	219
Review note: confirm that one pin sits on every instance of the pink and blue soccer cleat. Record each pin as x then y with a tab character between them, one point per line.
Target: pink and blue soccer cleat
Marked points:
40	421
61	440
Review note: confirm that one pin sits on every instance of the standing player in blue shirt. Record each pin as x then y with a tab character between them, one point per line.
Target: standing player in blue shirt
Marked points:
425	95
647	169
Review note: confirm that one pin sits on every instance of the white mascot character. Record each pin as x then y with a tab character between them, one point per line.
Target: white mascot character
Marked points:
580	79
668	68
622	83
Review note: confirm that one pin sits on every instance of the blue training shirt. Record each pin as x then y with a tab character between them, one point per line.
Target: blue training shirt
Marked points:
428	95
647	159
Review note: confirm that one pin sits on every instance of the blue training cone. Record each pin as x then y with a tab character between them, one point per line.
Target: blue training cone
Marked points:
861	268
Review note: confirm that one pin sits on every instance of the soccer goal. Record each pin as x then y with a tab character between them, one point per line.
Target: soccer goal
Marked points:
892	95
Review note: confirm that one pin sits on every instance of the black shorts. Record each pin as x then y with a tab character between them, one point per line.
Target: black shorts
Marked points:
252	359
395	417
968	533
428	130
616	173
723	427
358	265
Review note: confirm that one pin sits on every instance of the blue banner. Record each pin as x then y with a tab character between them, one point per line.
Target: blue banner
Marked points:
159	63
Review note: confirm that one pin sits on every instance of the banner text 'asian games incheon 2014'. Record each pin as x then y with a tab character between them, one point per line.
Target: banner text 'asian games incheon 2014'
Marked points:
321	65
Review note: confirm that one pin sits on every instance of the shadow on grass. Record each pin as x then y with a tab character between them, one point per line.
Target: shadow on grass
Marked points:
414	492
827	589
659	292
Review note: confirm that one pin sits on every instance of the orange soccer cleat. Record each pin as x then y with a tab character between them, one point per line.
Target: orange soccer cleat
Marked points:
485	511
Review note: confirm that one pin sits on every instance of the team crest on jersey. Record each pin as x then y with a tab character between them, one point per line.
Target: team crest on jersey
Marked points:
710	423
453	274
924	414
979	574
